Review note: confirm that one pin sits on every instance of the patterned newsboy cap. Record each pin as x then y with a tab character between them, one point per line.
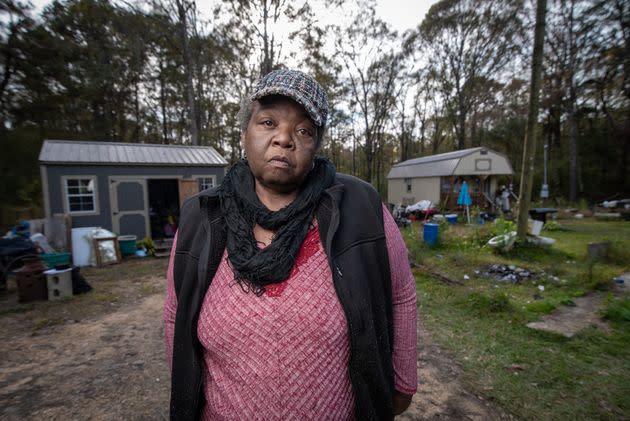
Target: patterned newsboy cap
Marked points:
298	86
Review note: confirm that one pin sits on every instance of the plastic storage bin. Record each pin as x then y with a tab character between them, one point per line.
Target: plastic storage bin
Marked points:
451	218
53	259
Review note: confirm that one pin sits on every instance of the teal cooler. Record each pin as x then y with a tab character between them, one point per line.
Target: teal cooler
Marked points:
127	244
430	234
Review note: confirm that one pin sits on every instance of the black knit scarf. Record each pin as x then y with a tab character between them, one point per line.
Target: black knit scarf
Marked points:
255	267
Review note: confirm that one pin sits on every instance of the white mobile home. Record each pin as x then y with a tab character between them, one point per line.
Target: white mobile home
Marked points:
438	177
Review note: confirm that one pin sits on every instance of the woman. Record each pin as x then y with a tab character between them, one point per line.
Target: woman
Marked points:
289	290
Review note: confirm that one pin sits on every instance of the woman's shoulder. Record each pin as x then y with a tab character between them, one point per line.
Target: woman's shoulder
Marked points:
359	195
353	182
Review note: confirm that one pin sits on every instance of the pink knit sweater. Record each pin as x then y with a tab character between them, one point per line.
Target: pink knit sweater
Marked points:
284	355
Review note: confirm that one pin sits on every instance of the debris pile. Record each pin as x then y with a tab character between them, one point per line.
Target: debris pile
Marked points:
509	273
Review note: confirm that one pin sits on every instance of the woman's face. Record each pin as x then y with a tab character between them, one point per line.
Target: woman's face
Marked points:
280	143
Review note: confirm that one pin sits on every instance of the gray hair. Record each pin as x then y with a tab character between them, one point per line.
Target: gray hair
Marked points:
246	110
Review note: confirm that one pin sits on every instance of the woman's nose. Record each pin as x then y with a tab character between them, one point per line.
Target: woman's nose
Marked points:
283	138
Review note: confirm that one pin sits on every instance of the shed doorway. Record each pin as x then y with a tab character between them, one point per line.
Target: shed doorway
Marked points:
163	207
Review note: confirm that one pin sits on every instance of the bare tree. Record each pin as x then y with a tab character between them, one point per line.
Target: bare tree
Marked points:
529	147
372	68
467	42
183	9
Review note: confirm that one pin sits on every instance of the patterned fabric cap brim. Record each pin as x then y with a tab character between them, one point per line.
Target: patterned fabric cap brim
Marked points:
300	87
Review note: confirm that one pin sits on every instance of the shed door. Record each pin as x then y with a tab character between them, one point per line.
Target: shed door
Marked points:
187	188
129	206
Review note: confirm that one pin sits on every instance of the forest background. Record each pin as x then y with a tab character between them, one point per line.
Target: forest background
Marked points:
157	71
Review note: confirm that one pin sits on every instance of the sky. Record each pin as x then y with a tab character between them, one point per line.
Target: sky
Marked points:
401	14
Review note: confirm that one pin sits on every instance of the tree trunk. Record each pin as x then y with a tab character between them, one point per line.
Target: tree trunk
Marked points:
461	133
188	68
435	144
369	150
266	64
403	140
473	132
136	131
354	150
573	147
334	146
369	161
529	148
202	120
163	102
379	158
625	152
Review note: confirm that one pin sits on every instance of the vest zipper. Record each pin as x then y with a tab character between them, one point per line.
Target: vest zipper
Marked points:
338	271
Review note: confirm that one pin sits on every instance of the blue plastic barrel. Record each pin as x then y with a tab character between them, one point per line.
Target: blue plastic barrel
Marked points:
430	235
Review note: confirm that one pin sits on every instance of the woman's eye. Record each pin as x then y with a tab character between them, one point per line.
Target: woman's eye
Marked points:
267	123
305	132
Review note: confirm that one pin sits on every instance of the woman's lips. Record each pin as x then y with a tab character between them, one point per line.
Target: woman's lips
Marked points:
280	162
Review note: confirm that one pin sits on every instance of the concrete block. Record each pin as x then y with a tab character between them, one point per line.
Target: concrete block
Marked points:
59	284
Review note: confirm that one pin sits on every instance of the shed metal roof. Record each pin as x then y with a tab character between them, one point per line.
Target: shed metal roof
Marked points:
439	165
115	153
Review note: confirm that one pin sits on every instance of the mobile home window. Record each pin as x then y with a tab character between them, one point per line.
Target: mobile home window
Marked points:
206	183
408	184
80	194
445	184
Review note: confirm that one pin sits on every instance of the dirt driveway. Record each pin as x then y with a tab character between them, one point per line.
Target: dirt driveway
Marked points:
100	356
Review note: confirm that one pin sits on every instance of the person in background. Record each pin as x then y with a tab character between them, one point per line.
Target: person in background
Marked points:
505	201
289	292
497	197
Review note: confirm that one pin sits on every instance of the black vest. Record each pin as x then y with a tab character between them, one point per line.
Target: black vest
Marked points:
350	221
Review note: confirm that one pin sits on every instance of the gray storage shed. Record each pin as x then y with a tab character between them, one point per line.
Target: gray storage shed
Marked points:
128	188
438	177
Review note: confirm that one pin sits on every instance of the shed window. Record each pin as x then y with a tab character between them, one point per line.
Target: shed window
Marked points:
408	184
206	183
80	194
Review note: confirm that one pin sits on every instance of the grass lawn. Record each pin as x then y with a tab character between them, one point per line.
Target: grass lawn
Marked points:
532	374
